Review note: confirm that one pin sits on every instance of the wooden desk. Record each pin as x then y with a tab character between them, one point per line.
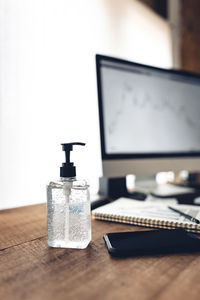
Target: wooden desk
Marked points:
29	269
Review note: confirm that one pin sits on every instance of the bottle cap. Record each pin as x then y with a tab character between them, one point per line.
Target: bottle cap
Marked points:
68	169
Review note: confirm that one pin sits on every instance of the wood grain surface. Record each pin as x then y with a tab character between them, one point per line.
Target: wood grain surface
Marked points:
29	269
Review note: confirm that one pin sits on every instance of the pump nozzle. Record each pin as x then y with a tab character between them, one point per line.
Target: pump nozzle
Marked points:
68	169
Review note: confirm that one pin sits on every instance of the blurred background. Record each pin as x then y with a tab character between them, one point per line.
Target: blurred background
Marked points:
48	80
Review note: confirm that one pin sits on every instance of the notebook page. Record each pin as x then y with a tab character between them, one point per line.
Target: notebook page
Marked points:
152	211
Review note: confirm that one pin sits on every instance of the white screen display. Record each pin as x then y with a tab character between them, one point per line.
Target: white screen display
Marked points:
149	111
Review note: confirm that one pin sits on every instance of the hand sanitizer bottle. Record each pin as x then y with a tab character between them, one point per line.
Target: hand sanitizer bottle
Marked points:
68	207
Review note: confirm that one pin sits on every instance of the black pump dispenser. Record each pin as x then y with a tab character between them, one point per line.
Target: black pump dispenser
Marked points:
68	169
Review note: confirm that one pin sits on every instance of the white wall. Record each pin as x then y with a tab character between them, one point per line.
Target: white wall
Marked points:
174	17
48	83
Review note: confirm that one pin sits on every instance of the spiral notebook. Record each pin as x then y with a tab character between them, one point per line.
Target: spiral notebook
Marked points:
148	214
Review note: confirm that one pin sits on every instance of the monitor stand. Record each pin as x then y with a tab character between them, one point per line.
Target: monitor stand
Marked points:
117	187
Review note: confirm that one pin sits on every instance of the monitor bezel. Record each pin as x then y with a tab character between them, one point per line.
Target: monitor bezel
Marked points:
114	156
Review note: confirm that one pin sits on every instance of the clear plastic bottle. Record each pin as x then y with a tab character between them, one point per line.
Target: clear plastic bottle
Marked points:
68	209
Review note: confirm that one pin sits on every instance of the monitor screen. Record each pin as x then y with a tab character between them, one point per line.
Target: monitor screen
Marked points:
147	112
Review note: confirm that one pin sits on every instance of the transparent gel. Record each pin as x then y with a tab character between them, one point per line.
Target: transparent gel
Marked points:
68	214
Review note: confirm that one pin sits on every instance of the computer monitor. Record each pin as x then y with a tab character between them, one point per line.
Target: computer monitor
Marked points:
149	118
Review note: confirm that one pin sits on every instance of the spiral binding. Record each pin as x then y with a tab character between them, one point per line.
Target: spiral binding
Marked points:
146	222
